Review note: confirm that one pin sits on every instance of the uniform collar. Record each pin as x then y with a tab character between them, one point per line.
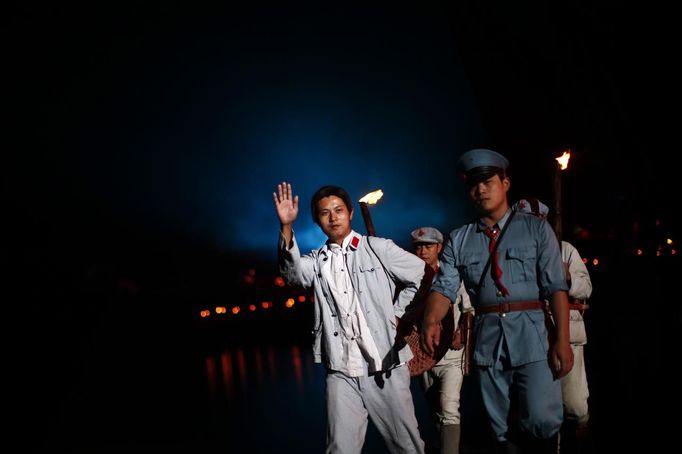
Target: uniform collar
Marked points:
351	242
481	226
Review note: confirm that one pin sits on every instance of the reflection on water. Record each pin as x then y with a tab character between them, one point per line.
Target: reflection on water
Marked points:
236	371
263	398
270	397
298	373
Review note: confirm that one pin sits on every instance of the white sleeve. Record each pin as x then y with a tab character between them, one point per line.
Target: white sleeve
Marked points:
581	285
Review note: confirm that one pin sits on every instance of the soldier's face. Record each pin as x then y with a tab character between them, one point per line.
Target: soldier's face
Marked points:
428	252
334	218
491	194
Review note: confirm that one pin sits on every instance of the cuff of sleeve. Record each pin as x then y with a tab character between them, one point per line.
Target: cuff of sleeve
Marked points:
283	241
555	287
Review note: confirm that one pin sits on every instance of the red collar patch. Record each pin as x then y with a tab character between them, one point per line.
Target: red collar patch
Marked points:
354	242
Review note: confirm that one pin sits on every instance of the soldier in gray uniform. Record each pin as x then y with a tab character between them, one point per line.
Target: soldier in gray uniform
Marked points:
518	360
362	286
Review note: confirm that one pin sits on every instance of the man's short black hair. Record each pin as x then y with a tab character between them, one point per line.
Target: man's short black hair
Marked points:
326	191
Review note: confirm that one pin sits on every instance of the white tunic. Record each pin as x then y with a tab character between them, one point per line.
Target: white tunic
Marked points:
360	353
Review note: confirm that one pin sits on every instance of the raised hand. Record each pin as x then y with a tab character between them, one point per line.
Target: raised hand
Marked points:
285	204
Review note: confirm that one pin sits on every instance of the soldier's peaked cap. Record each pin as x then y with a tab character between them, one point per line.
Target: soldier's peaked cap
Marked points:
480	164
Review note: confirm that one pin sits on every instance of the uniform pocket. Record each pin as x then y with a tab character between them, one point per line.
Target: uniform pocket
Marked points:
521	264
472	265
369	268
370	274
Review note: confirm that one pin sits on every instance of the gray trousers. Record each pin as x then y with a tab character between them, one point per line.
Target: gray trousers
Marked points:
447	376
540	407
575	390
384	398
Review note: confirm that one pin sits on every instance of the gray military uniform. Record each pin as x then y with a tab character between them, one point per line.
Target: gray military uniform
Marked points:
385	279
510	348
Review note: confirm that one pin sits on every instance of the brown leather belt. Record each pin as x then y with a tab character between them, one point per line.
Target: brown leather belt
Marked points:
503	308
578	305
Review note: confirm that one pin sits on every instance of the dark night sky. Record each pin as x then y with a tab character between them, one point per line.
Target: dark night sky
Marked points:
143	141
154	135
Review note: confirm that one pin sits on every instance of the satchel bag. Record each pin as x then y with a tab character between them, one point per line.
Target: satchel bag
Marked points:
409	330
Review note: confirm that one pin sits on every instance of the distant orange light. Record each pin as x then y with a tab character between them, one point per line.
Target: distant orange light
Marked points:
584	260
301	298
236	309
266	304
372	197
669	241
563	159
220	310
289	303
205	313
658	253
252	307
595	262
640	252
279	281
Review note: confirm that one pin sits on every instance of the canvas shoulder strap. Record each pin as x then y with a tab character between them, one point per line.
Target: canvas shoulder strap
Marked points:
499	239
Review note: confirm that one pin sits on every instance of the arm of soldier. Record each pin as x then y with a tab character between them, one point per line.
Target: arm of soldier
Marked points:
286	206
578	277
439	299
553	287
437	306
295	270
560	355
404	268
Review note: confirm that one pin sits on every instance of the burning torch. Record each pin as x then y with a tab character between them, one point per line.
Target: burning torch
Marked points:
562	164
369	199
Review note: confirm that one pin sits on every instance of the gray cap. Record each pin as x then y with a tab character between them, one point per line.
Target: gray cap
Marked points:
480	164
532	206
427	235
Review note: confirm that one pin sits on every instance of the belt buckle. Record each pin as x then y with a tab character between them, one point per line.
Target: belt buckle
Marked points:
504	308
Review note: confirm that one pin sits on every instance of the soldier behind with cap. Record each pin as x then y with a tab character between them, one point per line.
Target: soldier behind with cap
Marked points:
574	387
512	351
443	383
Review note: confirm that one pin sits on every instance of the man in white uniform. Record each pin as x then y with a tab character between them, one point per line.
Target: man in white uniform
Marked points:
362	286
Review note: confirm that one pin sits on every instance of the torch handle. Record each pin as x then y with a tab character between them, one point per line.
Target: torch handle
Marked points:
556	225
368	218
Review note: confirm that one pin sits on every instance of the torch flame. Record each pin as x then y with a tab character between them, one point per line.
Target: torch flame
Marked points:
372	197
563	159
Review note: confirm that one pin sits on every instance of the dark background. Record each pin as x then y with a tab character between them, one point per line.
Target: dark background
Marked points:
144	140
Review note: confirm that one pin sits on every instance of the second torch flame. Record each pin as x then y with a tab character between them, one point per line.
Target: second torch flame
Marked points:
369	199
372	197
563	160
